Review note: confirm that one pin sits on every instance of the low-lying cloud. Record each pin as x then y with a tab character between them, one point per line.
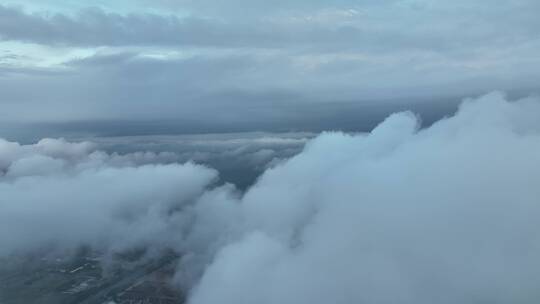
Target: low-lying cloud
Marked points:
441	215
60	195
444	214
121	193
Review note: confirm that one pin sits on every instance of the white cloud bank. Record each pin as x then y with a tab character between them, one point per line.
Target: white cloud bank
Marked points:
62	195
446	214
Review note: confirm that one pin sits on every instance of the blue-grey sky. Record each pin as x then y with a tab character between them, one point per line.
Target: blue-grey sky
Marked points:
254	64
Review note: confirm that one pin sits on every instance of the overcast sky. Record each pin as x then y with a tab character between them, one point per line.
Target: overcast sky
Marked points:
254	65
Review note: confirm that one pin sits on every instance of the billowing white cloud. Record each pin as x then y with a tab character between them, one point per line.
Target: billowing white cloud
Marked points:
446	214
58	195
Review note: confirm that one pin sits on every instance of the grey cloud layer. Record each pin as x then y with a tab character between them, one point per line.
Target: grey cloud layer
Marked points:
319	26
232	92
262	67
94	27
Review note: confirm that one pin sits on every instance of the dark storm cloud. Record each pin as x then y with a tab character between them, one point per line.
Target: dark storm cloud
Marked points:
108	84
128	93
298	66
190	111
